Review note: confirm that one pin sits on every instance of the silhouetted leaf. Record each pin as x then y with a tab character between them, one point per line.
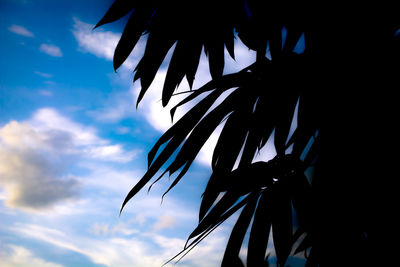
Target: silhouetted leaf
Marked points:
238	232
203	131
311	259
306	124
305	243
184	61
312	152
230	141
260	229
182	128
275	41
299	231
178	178
282	224
243	180
230	45
258	131
158	45
176	70
286	103
193	144
221	84
300	191
210	194
174	136
118	9
292	37
216	213
131	34
211	228
234	262
177	133
153	169
192	61
215	51
322	76
266	262
250	177
187	249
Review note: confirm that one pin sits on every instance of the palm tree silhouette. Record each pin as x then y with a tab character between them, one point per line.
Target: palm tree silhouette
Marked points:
323	171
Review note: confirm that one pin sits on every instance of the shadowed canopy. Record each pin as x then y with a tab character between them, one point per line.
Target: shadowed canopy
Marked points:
346	49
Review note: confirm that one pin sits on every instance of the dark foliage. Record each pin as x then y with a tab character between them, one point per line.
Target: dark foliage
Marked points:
348	51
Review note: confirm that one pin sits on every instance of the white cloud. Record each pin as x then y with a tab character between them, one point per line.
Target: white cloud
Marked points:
34	153
61	133
105	229
123	130
111	153
140	219
108	251
49	82
51	50
119	106
111	180
20	30
31	182
145	209
101	43
99	229
14	256
31	179
46	93
164	222
66	136
43	74
141	249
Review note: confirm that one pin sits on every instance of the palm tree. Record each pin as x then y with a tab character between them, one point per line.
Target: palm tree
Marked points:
321	171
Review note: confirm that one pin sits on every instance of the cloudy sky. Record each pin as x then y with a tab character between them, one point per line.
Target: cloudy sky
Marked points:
72	144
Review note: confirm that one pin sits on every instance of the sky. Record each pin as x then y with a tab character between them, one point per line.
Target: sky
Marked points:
72	144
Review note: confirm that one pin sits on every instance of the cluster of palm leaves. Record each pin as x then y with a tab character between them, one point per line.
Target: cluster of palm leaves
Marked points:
260	105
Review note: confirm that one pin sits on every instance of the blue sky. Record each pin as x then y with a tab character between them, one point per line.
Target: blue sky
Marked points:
72	144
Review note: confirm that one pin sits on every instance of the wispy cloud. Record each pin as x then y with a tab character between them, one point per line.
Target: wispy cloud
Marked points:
104	229
46	92
51	50
43	74
99	42
123	130
13	255
111	153
164	222
99	229
20	30
119	106
136	250
49	82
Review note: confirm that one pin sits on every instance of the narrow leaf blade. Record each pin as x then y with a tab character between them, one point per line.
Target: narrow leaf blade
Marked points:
117	10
